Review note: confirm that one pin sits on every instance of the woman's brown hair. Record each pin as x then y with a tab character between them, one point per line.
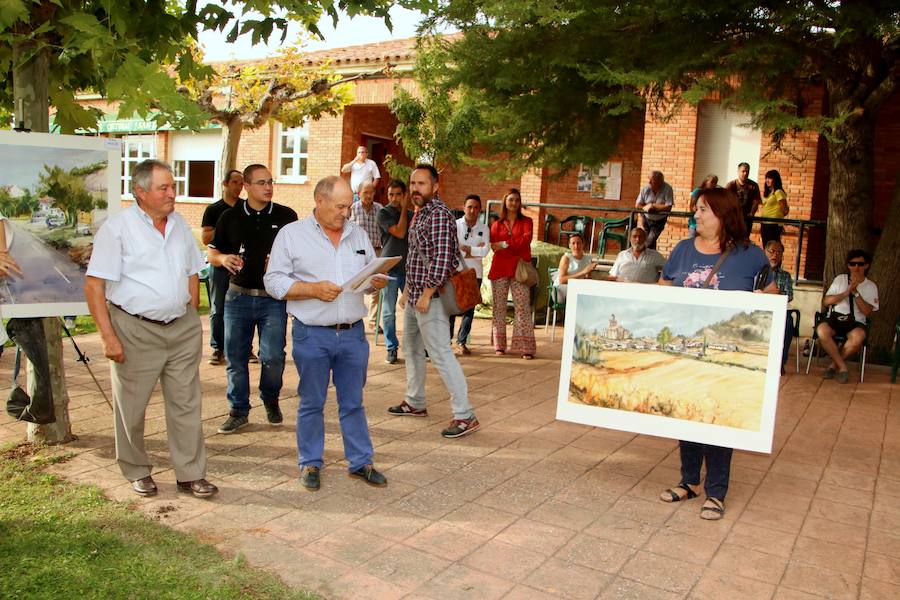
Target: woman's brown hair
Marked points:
724	204
503	212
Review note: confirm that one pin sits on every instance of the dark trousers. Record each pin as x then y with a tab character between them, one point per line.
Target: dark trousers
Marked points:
788	337
718	467
218	285
654	229
465	326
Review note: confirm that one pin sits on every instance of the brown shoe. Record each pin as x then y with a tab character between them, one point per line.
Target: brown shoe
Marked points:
216	358
144	487
462	350
200	488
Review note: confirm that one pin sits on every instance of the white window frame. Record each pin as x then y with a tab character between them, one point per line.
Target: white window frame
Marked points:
142	142
298	133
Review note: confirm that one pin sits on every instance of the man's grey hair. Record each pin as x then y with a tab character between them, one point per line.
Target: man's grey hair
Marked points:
658	175
325	187
142	176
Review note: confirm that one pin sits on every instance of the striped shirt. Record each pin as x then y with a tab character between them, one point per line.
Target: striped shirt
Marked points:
368	220
433	249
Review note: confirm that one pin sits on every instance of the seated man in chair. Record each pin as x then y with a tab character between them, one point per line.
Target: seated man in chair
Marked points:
853	298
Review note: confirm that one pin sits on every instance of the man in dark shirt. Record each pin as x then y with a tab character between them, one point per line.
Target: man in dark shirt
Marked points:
747	192
217	280
393	220
241	244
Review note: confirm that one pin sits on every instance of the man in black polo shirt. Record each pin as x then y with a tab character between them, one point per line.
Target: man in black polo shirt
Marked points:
218	278
241	244
393	220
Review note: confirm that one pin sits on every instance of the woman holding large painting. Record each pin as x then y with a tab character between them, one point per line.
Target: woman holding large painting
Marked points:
720	257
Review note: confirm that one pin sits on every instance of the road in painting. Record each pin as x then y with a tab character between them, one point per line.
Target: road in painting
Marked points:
705	364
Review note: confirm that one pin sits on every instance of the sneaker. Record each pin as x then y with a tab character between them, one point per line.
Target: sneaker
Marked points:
461	427
233	423
309	478
829	373
370	476
273	413
405	410
216	358
391	357
462	350
252	358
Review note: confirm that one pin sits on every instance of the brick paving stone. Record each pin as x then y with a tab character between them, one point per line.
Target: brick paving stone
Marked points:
405	567
602	555
462	583
878	590
614	527
882	568
504	560
762	539
828	555
662	572
723	584
831	584
568	580
446	541
627	589
748	563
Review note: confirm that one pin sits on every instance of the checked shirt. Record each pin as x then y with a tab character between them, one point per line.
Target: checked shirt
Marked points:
368	220
433	249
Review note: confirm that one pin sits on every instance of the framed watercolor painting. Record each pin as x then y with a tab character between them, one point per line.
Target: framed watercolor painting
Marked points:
690	364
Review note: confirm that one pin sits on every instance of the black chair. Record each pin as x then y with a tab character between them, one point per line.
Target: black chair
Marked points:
548	221
794	316
578	224
840	340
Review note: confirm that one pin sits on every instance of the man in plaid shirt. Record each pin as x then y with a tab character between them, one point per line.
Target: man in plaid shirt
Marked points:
364	212
433	257
775	254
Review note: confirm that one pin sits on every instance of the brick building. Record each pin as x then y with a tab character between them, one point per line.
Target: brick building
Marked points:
699	140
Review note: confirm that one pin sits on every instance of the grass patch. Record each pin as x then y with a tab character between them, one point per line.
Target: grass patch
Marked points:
59	539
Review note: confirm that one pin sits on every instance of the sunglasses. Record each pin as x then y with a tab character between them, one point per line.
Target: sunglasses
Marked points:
856	264
468	232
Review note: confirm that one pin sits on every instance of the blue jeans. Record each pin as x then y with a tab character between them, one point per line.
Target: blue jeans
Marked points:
431	331
718	467
389	310
243	314
218	285
342	356
465	326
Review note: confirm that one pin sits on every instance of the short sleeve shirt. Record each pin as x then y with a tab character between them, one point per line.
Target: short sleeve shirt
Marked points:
747	194
867	289
390	245
664	197
687	267
643	269
213	212
361	173
255	231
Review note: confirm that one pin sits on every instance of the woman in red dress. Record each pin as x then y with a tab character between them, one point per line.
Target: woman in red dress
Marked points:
511	242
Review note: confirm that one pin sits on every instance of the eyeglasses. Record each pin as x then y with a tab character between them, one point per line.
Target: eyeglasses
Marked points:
263	182
774	251
856	264
468	232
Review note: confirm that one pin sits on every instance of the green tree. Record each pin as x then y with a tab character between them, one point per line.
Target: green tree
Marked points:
67	190
559	83
436	124
664	336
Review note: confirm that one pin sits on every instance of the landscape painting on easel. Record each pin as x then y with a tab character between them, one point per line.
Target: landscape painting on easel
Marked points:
699	365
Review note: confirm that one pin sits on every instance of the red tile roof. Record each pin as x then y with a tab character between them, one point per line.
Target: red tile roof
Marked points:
390	51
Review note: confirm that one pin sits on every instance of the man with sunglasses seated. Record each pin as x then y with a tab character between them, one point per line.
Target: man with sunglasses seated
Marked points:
853	299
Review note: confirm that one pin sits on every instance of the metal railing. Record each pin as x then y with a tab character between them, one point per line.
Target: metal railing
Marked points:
801	224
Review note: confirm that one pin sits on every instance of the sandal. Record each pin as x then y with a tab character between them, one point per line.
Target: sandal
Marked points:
528	356
713	509
499	352
671	495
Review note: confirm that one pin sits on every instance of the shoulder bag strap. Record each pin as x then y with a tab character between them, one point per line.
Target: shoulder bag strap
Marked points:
715	268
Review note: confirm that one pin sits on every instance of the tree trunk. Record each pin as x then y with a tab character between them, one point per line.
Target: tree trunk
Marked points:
850	194
885	268
32	111
231	139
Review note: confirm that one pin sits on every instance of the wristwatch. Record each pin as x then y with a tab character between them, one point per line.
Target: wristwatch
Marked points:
856	294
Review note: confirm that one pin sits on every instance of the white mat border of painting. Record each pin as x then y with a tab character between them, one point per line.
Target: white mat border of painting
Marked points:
667	427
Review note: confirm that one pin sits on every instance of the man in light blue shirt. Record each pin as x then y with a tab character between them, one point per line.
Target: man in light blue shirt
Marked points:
656	200
310	260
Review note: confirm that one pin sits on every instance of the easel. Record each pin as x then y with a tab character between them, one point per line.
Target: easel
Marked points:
83	358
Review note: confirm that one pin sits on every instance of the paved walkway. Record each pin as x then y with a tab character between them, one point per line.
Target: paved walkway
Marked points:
530	507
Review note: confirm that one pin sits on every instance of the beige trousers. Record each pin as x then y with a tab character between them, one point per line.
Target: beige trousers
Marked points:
171	355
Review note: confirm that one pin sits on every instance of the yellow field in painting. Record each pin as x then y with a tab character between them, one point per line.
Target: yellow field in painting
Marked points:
672	386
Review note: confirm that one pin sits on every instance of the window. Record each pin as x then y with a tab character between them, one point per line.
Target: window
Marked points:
292	153
195	178
724	139
135	149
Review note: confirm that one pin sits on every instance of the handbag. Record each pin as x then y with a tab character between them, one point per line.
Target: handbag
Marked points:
526	273
460	293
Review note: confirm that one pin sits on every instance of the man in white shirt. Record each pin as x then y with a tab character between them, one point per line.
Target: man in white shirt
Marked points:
362	169
143	291
854	298
310	261
474	243
638	264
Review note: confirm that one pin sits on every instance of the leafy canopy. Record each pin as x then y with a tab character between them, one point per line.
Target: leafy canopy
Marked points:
559	83
123	49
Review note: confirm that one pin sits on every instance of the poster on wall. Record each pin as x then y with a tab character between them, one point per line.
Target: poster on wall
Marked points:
690	364
585	176
606	181
55	192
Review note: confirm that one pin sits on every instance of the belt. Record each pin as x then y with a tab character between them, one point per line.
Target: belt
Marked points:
143	318
247	291
339	326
